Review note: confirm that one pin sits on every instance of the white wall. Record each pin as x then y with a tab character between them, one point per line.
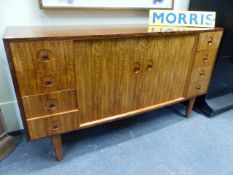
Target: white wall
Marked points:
27	13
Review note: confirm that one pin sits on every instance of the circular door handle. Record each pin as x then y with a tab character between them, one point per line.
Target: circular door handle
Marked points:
149	68
149	65
44	55
137	68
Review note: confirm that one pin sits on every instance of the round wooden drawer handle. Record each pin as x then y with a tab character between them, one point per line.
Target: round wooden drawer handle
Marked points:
52	104
205	58
54	127
210	41
202	73
48	81
198	87
44	55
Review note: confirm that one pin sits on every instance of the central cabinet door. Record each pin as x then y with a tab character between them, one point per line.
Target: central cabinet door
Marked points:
116	76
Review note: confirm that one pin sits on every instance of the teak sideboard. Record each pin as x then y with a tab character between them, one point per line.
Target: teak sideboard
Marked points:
70	78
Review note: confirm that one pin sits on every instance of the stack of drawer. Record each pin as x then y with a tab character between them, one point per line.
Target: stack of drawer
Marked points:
46	79
204	61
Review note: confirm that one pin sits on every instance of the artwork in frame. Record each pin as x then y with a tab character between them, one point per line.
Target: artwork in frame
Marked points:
115	4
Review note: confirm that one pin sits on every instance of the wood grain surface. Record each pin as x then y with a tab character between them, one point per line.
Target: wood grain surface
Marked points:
53	125
46	81
197	88
209	40
205	58
201	73
48	104
42	55
129	74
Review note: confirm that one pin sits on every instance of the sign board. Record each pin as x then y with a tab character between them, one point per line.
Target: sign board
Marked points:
173	29
182	18
140	4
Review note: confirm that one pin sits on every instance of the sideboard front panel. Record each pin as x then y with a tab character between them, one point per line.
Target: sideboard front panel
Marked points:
108	78
117	76
47	86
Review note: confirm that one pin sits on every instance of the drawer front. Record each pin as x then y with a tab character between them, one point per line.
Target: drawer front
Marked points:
47	104
197	88
40	82
201	73
41	55
209	40
205	58
57	124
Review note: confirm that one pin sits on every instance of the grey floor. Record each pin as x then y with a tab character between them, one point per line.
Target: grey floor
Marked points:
162	142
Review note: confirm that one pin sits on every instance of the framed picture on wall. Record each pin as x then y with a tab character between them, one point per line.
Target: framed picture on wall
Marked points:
114	4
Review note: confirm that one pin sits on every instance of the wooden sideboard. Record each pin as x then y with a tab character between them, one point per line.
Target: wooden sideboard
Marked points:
70	78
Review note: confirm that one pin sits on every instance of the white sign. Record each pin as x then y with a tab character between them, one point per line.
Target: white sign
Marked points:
165	4
182	18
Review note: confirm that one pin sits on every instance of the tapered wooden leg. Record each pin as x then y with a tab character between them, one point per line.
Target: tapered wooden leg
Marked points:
57	144
190	107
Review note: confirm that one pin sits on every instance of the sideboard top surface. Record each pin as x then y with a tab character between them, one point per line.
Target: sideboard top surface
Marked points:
90	32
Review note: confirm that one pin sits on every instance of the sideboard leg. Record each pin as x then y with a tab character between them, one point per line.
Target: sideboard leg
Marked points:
190	107
57	144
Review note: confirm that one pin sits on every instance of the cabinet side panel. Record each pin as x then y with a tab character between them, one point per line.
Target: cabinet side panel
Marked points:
16	86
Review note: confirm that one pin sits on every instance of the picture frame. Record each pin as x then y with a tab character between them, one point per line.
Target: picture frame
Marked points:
107	4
